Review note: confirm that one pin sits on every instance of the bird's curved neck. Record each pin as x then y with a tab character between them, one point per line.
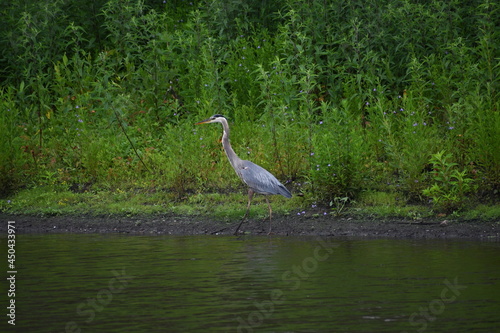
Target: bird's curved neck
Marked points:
231	155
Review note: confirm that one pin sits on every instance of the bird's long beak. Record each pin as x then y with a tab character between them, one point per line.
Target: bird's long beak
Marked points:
206	121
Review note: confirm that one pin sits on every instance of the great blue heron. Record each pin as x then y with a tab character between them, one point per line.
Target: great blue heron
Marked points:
258	179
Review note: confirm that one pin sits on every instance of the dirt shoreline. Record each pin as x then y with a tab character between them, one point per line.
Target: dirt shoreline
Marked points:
282	226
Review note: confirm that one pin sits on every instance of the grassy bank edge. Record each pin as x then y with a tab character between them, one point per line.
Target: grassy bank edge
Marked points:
51	201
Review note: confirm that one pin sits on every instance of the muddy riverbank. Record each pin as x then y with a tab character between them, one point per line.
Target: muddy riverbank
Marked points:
282	225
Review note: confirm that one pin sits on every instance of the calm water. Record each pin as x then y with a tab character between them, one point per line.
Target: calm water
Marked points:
112	283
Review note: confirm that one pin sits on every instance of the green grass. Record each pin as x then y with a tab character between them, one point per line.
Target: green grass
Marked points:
54	200
411	212
373	198
483	212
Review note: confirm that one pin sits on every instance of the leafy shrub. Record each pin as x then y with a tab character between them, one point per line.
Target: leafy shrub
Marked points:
450	187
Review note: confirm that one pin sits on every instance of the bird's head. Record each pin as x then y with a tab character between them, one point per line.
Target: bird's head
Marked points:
218	118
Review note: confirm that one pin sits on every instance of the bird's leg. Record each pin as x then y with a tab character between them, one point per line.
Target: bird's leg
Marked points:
250	196
270	214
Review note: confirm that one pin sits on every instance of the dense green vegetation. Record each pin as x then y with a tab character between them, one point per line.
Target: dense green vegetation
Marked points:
339	99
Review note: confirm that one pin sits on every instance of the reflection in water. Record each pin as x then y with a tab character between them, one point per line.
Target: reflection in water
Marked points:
113	283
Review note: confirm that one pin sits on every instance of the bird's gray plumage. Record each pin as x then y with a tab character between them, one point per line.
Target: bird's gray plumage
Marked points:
258	179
